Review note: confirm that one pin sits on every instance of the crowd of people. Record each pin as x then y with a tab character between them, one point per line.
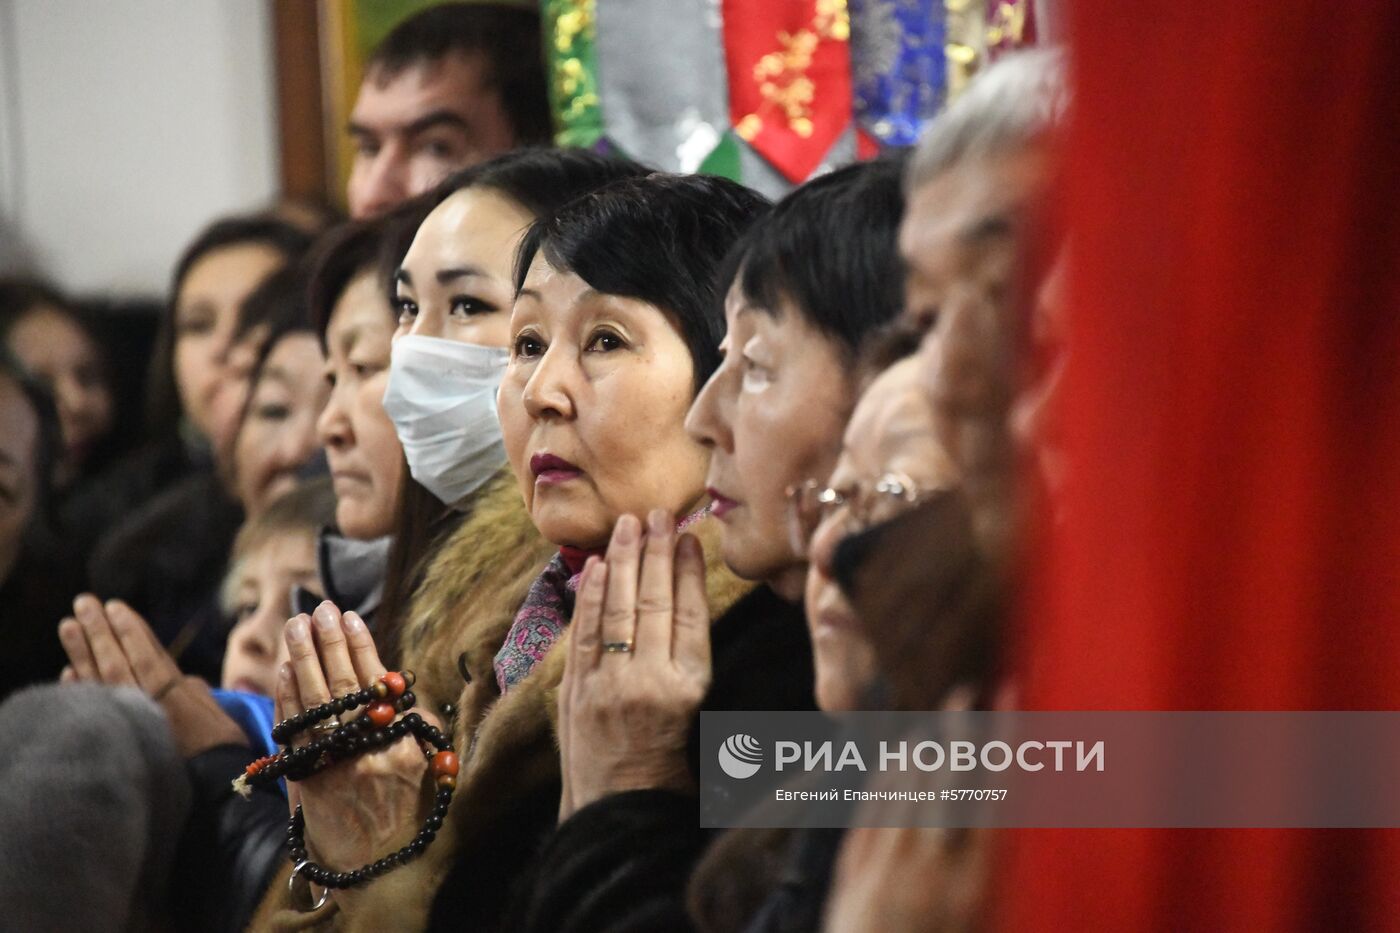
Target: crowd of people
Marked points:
585	447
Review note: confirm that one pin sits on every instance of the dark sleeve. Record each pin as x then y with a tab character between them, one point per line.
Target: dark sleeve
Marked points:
619	865
623	863
231	847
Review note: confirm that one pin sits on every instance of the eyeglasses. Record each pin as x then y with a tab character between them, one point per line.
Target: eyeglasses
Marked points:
869	503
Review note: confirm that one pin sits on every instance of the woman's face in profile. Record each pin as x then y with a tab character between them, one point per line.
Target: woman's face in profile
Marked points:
206	315
772	415
456	279
892	432
278	435
362	449
593	407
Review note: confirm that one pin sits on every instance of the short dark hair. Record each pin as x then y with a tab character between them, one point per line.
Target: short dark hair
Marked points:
162	399
831	249
544	180
541	180
660	239
279	303
506	37
338	257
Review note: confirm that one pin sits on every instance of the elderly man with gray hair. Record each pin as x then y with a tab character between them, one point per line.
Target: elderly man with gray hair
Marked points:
977	182
976	281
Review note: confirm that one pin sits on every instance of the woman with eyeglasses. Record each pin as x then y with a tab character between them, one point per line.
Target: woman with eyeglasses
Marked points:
890	461
809	285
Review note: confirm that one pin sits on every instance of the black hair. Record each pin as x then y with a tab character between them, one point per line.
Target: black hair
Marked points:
544	180
540	180
162	397
506	38
659	239
284	237
340	256
830	248
279	303
895	341
21	296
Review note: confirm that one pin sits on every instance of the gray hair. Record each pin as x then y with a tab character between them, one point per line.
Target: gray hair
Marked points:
1008	106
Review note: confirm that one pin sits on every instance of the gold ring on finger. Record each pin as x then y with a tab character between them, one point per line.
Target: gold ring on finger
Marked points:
618	647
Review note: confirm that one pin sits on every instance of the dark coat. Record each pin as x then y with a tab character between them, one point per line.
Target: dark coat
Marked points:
623	863
167	559
507	800
230	849
36	594
100	502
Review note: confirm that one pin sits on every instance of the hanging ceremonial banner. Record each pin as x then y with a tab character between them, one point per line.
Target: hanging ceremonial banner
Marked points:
898	66
570	29
789	78
1010	26
666	98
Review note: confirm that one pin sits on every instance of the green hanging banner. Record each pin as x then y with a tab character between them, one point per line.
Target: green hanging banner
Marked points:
724	159
570	30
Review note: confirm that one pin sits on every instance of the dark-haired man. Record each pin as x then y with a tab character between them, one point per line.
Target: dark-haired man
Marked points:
449	87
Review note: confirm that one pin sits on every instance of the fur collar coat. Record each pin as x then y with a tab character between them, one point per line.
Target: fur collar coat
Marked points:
507	795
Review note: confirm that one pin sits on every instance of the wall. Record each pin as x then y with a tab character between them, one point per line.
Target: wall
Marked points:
125	127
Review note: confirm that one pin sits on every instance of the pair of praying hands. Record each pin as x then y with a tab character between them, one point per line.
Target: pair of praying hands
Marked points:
362	808
110	643
638	664
354	812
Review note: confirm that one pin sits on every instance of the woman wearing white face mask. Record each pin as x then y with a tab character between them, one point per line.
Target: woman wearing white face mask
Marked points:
463	540
452	289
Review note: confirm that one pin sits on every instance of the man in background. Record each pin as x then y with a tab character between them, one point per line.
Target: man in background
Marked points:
449	87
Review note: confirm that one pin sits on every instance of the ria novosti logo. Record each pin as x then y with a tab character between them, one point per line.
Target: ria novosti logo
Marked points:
740	756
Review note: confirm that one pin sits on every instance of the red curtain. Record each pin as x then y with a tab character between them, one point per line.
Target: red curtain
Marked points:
1231	415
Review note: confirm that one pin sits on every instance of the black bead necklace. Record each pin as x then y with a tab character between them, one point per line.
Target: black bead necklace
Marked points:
376	728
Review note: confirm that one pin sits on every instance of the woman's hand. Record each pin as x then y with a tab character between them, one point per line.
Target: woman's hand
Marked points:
362	809
625	714
112	644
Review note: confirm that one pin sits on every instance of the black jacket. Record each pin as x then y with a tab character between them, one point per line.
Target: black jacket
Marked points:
35	595
167	559
623	863
100	502
230	848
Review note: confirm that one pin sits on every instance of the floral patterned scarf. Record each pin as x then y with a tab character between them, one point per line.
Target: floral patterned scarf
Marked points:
548	607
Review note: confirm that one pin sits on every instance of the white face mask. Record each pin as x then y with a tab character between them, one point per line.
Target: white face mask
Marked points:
442	400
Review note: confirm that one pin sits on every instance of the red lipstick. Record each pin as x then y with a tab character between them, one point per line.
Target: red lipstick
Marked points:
721	504
551	469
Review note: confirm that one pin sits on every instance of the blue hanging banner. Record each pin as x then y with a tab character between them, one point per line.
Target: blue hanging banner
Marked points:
898	66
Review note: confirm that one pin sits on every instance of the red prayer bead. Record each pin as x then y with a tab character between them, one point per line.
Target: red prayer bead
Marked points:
395	682
381	713
445	763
